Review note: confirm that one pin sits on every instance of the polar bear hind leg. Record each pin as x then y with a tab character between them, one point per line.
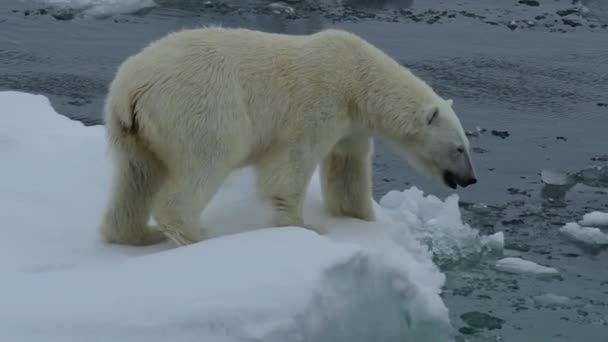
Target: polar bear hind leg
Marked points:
137	178
185	194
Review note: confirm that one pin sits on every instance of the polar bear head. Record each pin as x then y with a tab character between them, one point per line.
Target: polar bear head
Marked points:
442	148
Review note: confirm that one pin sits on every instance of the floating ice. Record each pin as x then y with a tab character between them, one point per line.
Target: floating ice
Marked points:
476	133
249	282
595	176
594	218
480	320
587	235
522	266
435	223
97	8
553	177
281	7
554	301
495	242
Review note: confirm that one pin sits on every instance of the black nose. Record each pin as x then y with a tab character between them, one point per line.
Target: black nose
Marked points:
452	180
466	182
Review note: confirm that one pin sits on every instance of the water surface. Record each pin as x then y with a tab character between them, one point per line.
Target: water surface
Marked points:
534	79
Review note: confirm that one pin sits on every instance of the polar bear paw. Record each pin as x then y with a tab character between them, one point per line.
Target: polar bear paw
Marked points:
137	235
181	237
321	230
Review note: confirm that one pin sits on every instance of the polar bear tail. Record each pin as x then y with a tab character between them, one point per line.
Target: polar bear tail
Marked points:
137	176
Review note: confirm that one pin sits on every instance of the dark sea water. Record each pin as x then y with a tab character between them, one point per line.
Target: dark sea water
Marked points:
529	82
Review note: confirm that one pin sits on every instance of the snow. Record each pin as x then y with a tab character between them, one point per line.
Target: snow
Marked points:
102	7
594	218
587	235
526	267
250	282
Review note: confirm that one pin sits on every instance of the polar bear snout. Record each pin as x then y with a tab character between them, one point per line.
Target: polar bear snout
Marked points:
452	180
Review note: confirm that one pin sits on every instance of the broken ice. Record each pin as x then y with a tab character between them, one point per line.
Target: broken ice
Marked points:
553	177
522	266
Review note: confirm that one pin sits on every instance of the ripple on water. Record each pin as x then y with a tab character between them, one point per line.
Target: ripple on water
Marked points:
19	58
67	85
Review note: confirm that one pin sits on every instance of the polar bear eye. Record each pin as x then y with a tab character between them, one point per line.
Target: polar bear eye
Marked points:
460	150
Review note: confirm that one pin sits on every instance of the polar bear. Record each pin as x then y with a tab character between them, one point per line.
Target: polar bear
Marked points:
196	104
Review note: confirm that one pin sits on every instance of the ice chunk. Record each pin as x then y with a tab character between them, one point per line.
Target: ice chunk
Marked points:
281	7
522	266
553	300
594	218
249	282
475	133
435	223
373	300
97	8
587	235
495	242
243	287
596	176
480	320
553	177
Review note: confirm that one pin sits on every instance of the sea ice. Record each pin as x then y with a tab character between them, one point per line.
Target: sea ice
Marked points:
594	218
362	281
522	266
553	177
435	223
281	7
102	7
495	242
553	300
587	235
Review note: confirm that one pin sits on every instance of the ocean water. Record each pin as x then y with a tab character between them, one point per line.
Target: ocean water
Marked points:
529	82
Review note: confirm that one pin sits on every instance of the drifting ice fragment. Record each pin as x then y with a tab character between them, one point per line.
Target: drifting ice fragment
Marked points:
436	224
596	176
587	235
281	7
521	266
553	177
594	218
554	301
480	320
494	242
100	8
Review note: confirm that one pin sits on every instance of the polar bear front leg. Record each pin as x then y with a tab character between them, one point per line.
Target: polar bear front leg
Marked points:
282	179
346	180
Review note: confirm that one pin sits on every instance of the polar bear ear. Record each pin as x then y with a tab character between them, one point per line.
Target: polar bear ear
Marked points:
450	102
433	115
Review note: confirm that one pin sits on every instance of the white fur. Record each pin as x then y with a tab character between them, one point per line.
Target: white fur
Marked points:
196	104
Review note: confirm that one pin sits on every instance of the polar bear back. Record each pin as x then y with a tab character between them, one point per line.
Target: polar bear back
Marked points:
278	85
